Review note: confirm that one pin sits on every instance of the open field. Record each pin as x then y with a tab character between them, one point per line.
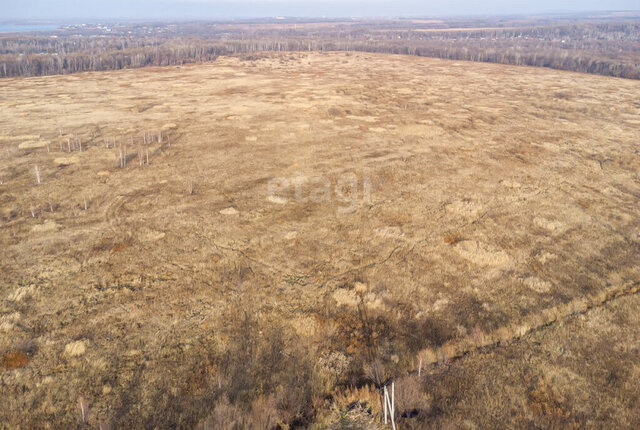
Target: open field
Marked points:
478	224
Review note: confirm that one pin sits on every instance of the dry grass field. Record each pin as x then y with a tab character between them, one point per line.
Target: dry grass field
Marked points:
476	238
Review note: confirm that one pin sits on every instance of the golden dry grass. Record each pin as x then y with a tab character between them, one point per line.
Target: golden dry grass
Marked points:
502	199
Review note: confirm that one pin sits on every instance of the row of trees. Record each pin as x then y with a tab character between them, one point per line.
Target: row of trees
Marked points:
51	64
611	49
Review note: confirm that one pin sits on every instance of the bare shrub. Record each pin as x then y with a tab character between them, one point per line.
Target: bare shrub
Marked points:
190	190
268	373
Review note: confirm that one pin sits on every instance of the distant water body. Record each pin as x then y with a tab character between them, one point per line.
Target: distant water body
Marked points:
14	28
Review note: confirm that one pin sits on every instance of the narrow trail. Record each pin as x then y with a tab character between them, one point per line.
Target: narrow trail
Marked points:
431	358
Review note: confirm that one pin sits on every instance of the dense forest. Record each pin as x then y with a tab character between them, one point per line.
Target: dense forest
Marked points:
605	48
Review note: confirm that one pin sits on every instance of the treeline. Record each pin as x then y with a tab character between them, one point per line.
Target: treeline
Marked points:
611	49
52	64
538	56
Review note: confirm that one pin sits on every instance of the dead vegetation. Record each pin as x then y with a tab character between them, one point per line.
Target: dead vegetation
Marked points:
171	290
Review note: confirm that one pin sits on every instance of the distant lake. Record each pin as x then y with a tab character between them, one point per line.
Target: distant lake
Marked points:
11	28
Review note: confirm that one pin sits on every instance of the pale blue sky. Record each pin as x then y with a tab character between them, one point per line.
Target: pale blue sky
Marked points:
211	9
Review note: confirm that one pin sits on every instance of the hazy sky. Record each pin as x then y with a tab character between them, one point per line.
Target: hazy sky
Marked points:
208	9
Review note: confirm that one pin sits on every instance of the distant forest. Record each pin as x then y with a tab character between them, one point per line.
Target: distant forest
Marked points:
604	47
